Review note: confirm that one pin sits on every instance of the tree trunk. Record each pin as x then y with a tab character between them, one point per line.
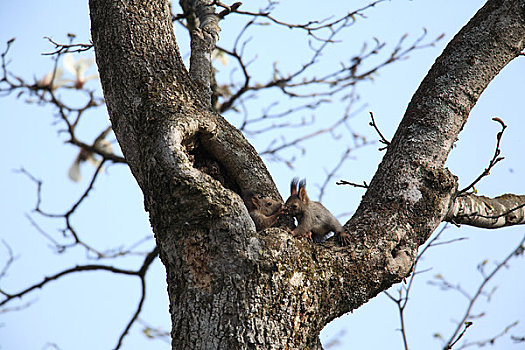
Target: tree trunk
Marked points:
231	287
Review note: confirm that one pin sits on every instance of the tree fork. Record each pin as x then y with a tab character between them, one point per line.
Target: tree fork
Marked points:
232	287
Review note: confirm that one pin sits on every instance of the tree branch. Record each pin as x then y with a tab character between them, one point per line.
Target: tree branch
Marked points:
404	290
382	139
518	251
491	340
495	158
467	325
481	211
9	297
182	156
203	25
142	274
411	177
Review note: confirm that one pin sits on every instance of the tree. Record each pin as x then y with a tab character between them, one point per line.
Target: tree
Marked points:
226	282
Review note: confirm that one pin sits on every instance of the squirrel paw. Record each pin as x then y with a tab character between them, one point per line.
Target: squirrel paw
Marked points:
344	238
307	235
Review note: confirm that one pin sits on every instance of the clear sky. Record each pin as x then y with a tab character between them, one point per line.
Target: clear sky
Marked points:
89	310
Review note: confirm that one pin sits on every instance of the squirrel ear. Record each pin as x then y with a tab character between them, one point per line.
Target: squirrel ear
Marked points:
255	202
293	186
303	196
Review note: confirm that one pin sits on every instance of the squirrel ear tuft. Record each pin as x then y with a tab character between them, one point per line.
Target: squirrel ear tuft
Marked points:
293	186
302	183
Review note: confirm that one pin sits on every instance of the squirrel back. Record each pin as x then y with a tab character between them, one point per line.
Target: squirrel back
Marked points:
313	218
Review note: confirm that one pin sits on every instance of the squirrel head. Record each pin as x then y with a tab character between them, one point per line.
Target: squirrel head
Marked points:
266	205
298	200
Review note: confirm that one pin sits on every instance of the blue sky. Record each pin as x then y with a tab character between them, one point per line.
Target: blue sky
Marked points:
89	310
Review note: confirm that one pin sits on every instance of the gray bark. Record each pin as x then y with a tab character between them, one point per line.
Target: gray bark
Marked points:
231	287
204	32
481	211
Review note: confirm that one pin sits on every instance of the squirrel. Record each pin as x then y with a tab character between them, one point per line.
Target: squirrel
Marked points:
266	211
314	220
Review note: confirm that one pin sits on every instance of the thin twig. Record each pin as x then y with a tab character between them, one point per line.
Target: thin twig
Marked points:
382	139
142	274
344	182
9	261
516	252
64	48
491	340
495	159
467	325
402	300
9	297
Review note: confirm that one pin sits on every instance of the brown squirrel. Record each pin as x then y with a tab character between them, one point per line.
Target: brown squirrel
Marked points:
314	220
266	211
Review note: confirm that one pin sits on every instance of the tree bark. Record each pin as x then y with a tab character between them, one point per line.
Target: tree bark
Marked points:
481	211
231	287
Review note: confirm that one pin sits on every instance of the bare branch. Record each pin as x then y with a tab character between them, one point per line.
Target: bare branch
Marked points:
64	48
293	84
439	281
518	251
61	247
382	139
203	25
15	308
9	297
332	173
481	211
227	9
402	300
359	142
517	339
50	345
9	261
467	325
154	332
45	90
312	27
401	309
273	149
344	182
142	274
495	158
491	340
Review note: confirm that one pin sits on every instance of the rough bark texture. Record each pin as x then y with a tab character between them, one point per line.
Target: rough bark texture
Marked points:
481	211
411	186
233	288
204	32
